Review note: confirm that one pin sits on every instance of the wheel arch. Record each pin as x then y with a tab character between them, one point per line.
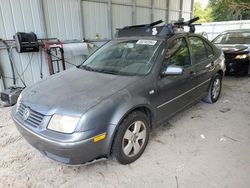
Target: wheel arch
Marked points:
145	108
142	108
221	73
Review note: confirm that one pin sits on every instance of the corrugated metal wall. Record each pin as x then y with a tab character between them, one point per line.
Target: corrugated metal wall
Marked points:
128	12
21	15
75	19
160	10
95	19
121	15
215	28
63	19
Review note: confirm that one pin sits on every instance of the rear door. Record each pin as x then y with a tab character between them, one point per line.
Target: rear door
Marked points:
202	56
175	91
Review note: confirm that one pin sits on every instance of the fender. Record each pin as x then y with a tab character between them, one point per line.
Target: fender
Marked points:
111	111
124	110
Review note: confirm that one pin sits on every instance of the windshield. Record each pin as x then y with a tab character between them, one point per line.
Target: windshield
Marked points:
233	38
130	57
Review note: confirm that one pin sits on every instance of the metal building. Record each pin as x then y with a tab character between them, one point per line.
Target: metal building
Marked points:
74	19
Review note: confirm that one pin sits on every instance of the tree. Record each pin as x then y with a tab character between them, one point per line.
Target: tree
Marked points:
204	15
225	10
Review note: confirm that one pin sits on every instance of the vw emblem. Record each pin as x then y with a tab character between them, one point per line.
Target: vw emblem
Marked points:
26	113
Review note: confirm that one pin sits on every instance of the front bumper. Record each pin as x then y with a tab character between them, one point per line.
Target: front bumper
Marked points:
237	66
77	152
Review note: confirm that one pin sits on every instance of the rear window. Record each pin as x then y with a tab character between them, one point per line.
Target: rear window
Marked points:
233	38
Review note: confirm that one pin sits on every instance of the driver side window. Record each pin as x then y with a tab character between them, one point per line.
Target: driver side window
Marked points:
178	53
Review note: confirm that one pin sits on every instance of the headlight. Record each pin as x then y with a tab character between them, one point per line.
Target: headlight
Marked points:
62	123
242	56
19	98
18	101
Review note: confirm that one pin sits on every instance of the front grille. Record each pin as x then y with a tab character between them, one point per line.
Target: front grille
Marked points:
34	119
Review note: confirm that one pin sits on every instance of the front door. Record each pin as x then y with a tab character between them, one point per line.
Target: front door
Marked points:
175	91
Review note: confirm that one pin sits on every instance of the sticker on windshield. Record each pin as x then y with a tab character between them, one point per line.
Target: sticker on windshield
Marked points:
129	45
146	42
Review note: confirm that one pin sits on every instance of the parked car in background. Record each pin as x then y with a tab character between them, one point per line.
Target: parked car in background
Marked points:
108	105
236	47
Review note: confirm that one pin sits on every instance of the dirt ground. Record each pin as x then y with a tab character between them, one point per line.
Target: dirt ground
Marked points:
205	146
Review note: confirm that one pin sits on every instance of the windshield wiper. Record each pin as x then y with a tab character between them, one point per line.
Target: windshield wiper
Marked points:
88	68
108	72
116	73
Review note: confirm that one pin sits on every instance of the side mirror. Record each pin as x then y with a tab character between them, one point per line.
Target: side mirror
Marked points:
172	70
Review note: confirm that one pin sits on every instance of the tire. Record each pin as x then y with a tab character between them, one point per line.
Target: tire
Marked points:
247	72
131	138
214	89
244	71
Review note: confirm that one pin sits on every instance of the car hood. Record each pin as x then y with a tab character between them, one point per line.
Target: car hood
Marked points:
73	91
233	48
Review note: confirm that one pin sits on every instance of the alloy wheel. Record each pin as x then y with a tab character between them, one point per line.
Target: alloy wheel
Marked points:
134	138
216	88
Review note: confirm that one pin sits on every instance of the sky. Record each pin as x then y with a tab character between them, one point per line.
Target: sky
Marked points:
203	3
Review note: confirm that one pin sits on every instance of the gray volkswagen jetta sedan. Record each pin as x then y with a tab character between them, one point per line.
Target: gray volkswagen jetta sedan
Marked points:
108	105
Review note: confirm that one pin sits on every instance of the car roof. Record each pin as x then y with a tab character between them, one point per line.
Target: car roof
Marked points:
158	38
237	30
136	37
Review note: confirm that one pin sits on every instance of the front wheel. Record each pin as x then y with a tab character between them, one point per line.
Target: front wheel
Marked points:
247	71
214	89
131	138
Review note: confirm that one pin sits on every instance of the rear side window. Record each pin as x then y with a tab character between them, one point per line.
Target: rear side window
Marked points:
210	52
198	50
178	53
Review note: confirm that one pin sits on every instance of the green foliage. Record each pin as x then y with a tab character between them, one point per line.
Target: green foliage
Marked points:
226	10
223	10
204	15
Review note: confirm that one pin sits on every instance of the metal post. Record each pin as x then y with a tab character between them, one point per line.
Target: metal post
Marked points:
181	9
168	11
110	27
192	9
133	12
82	18
152	10
43	19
